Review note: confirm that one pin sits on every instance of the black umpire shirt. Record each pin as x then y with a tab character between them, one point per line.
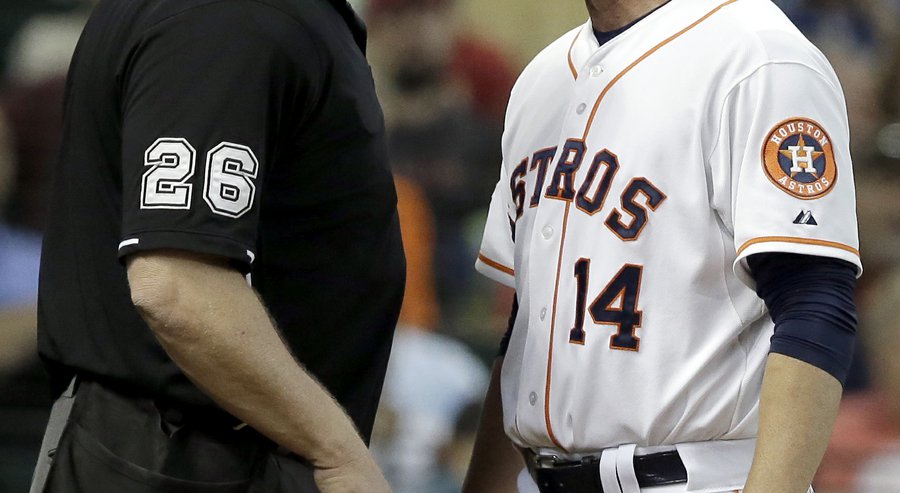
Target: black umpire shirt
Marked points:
247	129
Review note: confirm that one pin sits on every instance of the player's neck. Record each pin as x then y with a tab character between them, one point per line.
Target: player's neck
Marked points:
609	15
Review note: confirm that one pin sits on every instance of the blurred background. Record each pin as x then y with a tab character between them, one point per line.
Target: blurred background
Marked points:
444	69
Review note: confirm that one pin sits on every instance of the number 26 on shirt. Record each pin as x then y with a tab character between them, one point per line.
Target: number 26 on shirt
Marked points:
228	186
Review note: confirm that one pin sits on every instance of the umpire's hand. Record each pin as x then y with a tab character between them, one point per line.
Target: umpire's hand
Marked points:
359	474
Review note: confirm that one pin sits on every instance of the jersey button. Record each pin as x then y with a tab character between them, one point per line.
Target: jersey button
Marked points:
532	398
596	70
543	313
547	232
581	108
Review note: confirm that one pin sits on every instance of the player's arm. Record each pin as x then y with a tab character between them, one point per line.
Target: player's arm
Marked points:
212	324
803	265
811	301
495	462
798	406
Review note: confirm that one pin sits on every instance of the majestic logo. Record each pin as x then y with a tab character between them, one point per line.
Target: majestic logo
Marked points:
805	217
798	159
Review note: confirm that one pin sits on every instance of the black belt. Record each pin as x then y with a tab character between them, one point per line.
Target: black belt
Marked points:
558	476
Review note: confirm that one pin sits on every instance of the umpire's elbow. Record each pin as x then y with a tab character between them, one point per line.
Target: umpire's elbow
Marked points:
154	292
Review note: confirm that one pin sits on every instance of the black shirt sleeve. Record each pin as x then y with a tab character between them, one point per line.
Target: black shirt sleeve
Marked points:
207	95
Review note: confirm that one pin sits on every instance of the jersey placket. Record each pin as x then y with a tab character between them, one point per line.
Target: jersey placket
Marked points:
548	241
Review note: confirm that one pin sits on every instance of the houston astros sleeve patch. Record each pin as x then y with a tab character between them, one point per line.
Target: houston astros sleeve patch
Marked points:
798	159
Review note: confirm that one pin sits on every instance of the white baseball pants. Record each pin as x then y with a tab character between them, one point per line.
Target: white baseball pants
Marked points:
712	467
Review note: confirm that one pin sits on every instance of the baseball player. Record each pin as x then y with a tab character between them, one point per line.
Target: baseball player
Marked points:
676	213
208	143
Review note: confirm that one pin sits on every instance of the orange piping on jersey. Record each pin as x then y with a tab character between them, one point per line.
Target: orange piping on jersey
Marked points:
562	242
643	57
497	265
571	64
804	241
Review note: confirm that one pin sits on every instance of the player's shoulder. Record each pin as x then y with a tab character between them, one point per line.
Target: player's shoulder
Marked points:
761	34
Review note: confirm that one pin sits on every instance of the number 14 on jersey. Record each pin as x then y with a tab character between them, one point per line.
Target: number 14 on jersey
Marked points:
616	305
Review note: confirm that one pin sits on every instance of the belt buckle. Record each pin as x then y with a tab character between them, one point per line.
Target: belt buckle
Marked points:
545	461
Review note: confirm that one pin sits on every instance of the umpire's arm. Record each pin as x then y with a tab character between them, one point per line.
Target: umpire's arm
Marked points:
214	326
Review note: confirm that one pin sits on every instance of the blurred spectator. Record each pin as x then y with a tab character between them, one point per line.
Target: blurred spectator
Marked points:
35	113
864	429
31	107
880	471
444	92
420	306
33	98
456	454
420	47
846	32
863	453
16	13
43	46
19	260
431	378
888	139
22	410
848	19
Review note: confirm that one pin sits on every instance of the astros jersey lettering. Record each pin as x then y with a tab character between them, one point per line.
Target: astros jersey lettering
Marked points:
637	178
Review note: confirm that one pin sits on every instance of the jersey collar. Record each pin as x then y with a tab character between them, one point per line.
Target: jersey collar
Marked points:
660	24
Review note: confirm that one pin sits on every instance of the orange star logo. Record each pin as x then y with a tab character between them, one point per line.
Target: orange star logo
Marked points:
803	158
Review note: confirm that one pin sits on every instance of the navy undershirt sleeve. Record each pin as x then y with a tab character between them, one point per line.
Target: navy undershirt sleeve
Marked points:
810	299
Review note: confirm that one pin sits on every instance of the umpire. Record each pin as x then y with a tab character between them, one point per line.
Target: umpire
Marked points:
223	237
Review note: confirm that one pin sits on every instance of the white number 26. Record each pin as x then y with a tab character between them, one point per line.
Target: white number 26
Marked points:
228	187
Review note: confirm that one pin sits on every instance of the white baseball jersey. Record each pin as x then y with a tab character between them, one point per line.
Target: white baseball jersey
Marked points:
637	177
